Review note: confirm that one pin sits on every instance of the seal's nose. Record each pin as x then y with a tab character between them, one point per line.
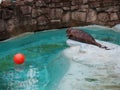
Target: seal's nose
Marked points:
67	30
67	35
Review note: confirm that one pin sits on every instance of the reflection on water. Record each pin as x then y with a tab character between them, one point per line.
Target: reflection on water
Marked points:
19	67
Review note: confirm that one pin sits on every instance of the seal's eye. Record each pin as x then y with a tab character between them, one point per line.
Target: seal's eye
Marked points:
68	30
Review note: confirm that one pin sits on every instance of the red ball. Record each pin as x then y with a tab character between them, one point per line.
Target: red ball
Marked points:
19	58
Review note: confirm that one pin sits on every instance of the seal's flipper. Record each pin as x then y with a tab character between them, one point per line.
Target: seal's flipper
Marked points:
106	48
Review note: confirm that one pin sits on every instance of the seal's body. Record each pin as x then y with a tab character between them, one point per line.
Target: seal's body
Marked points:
82	36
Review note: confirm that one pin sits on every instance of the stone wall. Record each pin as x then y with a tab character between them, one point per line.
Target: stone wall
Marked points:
33	15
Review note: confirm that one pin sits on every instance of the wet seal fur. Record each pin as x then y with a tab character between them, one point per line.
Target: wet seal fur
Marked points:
82	36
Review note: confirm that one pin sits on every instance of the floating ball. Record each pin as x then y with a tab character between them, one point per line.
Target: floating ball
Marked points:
19	58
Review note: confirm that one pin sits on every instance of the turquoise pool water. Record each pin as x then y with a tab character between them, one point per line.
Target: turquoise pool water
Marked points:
104	34
45	64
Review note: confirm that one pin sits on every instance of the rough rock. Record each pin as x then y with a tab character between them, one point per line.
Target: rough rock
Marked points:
42	20
114	16
7	14
3	33
104	17
40	3
66	17
80	16
12	24
26	10
91	16
56	13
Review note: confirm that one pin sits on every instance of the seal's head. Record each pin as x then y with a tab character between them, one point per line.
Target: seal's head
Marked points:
68	31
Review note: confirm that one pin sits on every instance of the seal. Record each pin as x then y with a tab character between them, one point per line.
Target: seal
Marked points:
82	36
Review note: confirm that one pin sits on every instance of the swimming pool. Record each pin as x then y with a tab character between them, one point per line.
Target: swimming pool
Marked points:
45	64
43	67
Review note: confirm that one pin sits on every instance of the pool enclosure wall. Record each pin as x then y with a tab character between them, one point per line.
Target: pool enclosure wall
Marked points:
21	16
